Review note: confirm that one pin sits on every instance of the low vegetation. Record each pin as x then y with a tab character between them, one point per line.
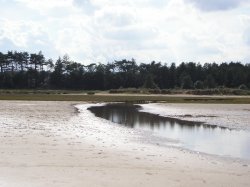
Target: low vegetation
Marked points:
97	96
215	91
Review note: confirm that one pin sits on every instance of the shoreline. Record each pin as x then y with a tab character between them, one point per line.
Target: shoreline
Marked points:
47	143
163	142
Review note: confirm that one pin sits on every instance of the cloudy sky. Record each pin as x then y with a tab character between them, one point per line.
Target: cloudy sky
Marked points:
104	30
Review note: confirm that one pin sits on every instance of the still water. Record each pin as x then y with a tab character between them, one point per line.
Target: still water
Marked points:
190	135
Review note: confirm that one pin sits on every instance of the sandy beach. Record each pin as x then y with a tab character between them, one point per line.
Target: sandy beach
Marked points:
58	145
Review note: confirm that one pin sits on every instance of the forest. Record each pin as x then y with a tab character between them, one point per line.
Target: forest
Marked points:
23	70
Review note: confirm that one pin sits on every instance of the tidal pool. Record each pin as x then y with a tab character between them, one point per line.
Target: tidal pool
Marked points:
195	136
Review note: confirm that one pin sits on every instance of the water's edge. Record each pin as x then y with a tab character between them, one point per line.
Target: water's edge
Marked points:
199	127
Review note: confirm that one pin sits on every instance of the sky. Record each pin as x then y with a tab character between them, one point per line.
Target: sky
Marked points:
146	30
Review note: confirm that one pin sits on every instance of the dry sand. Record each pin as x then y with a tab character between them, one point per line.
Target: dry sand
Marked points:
49	144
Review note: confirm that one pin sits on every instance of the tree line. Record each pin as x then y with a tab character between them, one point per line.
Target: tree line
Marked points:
23	70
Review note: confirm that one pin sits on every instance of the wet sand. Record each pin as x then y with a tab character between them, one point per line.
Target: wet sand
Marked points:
50	144
234	116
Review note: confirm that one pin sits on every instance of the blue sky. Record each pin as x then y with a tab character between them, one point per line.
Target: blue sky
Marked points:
105	30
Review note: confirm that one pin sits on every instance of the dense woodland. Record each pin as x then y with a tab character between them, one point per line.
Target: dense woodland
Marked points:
21	70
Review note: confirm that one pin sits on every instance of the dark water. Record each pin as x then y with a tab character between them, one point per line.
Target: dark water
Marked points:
191	135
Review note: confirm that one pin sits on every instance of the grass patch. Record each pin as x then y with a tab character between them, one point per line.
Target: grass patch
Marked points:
126	98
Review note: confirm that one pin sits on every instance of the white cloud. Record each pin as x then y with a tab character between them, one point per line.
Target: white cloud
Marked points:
86	5
246	36
6	43
104	30
214	5
45	4
131	34
119	17
19	35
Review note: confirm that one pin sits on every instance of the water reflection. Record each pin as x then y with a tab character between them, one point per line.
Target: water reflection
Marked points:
192	135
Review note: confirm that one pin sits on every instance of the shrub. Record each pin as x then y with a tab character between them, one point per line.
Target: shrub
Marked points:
154	91
125	90
198	85
90	93
114	91
243	87
166	91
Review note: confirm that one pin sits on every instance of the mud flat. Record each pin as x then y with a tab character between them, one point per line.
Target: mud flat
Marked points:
52	144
